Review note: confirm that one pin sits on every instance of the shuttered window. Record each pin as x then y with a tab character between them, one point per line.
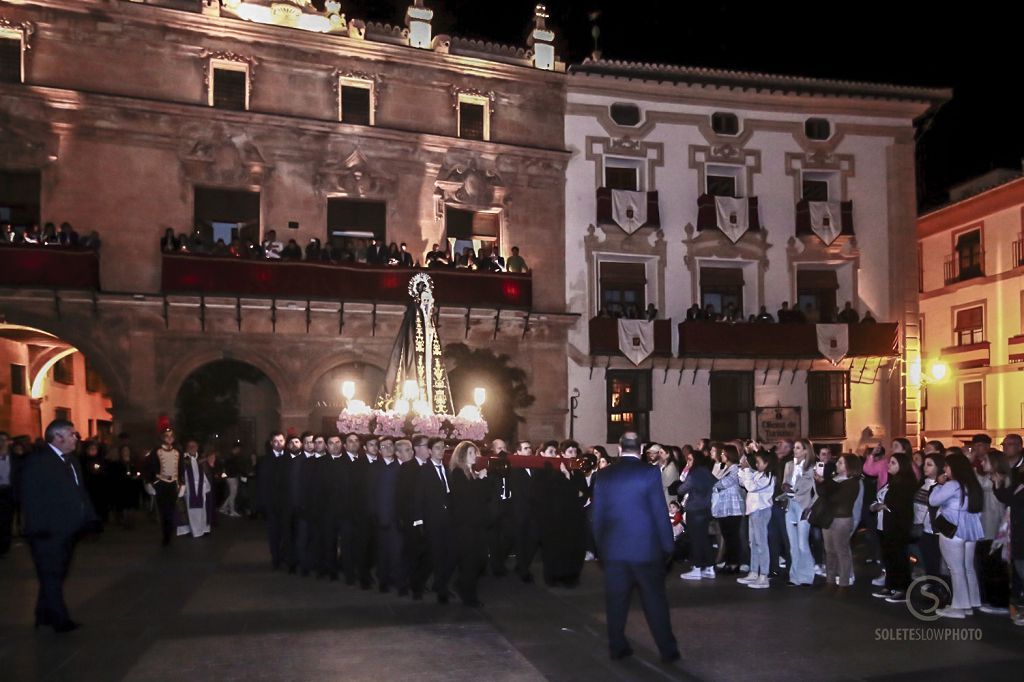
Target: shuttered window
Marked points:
356	104
828	398
10	59
970	326
732	401
229	89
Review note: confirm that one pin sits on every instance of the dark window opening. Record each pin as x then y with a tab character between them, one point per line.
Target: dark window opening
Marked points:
64	370
227	214
722	186
725	124
229	89
19	380
623	289
972	409
355	105
970	326
621	178
62	413
10	60
732	401
815	190
355	218
817	129
471	121
19	199
92	378
463	228
722	288
828	398
625	114
969	255
629	403
816	294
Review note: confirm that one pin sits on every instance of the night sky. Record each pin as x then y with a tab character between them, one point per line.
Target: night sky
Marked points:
895	42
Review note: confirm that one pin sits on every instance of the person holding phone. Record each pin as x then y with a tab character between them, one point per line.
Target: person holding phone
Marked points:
839	494
759	483
896	518
959	497
798	488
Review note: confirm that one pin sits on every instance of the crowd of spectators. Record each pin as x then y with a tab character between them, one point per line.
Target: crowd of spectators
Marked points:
785	315
49	235
349	250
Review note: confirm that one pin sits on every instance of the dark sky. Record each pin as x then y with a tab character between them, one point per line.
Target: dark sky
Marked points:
912	43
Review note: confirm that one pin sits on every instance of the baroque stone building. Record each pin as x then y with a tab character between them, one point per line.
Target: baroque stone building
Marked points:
132	118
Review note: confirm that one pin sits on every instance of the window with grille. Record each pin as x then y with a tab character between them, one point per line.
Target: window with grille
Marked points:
732	401
229	88
473	119
828	398
817	129
355	103
64	370
629	403
10	58
724	123
970	326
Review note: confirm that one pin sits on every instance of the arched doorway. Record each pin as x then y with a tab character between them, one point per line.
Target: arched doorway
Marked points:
505	384
226	401
327	400
46	377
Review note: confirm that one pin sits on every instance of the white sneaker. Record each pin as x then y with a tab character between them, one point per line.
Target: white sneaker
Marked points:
877	582
760	584
709	572
692	574
819	569
994	610
589	557
851	580
744	567
748	578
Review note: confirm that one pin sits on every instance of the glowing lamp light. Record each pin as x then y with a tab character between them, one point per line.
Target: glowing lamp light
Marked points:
402	407
479	396
348	389
938	370
410	389
470	413
421	407
914	373
357	407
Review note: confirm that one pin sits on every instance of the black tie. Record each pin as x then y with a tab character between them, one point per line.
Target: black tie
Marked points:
440	472
71	468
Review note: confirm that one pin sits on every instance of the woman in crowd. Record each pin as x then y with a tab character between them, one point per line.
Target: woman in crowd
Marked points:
563	521
94	473
759	484
993	584
696	490
121	480
728	508
798	486
928	539
959	499
470	493
895	510
669	471
1009	489
838	494
168	243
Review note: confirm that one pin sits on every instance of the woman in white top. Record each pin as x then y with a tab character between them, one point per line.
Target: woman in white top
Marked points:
994	581
798	486
959	497
928	539
760	486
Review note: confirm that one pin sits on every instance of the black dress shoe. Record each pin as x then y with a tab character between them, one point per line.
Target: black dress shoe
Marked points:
442	599
526	577
384	589
417	596
333	577
618	655
66	626
499	572
473	603
403	592
292	570
671	658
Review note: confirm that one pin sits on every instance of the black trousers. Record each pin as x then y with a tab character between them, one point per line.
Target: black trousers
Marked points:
527	544
166	498
441	543
620	577
896	559
778	538
6	518
471	558
697	523
356	550
415	564
993	575
389	555
501	537
275	535
52	559
730	527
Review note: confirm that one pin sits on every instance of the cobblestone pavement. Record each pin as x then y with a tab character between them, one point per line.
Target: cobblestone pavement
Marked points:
212	610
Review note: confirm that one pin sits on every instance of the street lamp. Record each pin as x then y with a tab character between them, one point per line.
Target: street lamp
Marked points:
938	370
348	389
479	396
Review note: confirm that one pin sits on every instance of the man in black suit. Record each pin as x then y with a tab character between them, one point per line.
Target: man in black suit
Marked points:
273	495
433	514
501	533
376	253
415	563
292	540
332	489
354	515
634	538
525	511
55	509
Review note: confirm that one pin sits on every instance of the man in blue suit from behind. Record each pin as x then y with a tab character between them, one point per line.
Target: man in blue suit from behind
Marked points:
634	538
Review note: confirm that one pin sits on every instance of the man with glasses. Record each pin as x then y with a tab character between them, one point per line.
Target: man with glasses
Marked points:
56	509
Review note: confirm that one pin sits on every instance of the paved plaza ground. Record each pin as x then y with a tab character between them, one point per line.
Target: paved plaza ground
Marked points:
211	610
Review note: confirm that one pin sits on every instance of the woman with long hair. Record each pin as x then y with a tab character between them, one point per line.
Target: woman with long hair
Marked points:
896	518
839	493
469	519
959	499
728	508
928	540
759	483
798	487
696	490
994	575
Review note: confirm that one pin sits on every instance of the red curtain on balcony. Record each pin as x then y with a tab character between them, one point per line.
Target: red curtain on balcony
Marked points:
49	267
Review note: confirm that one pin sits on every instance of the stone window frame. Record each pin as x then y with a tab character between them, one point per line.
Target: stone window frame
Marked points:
746	161
228	61
23	32
471	96
820	161
343	78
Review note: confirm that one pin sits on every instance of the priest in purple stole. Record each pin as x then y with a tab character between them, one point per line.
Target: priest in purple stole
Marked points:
197	493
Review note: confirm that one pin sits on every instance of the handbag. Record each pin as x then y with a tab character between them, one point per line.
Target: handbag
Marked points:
941	524
818	514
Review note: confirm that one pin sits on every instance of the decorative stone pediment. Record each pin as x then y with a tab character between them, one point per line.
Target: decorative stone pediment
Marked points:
354	176
471	186
25	144
714	245
214	156
645	245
